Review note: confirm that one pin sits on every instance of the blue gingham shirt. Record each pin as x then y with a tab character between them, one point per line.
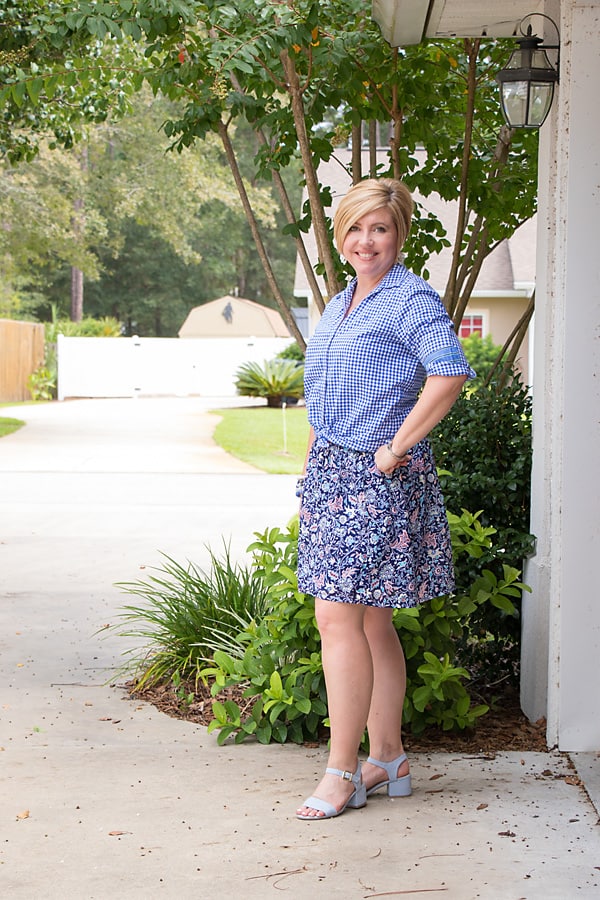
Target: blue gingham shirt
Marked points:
363	373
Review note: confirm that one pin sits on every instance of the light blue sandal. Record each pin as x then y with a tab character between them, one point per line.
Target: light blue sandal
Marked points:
396	787
356	800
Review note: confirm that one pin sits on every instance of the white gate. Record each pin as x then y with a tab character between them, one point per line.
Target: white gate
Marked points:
129	367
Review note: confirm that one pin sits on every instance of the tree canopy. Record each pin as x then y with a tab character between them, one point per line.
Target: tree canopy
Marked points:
281	67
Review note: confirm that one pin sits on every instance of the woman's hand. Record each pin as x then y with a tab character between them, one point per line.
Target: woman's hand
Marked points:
387	462
437	397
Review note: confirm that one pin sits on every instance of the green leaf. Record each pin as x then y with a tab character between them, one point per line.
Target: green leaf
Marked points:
18	92
34	88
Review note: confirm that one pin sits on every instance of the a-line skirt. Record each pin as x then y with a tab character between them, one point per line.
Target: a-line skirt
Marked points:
371	539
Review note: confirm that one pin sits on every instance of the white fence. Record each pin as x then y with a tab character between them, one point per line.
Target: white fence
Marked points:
129	367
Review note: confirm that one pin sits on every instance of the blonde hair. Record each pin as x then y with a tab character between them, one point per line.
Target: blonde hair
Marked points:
366	197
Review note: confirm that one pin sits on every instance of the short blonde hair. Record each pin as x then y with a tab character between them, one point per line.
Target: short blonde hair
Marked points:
369	195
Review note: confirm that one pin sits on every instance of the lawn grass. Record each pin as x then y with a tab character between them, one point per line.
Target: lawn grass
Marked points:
273	440
7	426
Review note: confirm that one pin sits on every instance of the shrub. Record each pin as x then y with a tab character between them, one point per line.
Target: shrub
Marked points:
276	380
293	351
482	354
483	448
279	658
87	327
42	383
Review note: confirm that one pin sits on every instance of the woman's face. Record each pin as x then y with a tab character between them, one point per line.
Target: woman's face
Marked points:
371	245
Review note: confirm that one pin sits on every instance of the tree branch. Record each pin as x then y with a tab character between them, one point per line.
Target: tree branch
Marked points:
251	218
450	294
324	248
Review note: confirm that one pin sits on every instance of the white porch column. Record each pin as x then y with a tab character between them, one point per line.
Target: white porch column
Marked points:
561	618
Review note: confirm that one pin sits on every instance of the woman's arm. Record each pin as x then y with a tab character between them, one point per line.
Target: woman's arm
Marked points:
436	399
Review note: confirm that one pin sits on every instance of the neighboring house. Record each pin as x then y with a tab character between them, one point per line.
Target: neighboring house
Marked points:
505	283
233	317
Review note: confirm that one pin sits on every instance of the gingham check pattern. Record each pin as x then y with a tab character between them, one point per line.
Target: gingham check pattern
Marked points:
363	373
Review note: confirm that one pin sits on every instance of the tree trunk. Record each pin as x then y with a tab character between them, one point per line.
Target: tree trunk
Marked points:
372	149
300	245
78	225
356	153
451	292
262	253
76	294
291	218
320	227
515	339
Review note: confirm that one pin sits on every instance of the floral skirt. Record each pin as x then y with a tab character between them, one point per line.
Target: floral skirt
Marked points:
371	539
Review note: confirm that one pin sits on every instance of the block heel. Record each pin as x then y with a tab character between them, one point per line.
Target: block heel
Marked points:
396	787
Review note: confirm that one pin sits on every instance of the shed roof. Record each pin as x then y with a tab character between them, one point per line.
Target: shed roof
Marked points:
230	316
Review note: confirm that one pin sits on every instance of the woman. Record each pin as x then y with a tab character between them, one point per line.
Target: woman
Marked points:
373	528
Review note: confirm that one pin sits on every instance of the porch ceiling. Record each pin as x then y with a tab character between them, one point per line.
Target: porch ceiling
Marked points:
405	22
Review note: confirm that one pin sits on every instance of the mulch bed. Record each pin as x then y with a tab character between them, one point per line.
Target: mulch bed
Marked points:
504	727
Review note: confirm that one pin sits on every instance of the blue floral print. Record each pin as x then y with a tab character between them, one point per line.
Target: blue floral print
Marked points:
371	539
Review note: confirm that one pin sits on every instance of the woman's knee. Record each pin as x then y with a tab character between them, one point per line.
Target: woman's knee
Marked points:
332	617
379	620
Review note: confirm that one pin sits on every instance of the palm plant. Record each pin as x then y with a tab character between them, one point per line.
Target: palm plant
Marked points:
276	380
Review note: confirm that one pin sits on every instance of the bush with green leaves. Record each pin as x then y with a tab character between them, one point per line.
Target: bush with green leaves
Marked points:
483	449
482	354
292	351
276	379
41	384
278	659
107	326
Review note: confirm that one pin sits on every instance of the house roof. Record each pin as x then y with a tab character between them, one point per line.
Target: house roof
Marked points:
405	22
233	317
510	267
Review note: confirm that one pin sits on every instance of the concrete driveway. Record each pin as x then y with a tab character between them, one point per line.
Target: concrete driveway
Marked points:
104	797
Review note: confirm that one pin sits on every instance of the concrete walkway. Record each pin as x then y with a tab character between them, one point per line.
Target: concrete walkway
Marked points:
104	797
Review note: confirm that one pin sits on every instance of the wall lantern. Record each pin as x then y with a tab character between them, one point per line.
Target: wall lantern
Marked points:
527	82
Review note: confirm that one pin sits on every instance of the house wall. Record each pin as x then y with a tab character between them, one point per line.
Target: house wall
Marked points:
561	617
501	314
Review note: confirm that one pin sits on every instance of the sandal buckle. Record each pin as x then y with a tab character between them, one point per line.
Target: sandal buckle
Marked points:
347	776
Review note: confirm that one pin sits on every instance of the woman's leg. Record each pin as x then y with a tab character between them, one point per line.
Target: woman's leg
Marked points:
387	698
348	671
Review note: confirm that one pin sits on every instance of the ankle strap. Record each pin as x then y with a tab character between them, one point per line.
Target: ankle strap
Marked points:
390	767
354	777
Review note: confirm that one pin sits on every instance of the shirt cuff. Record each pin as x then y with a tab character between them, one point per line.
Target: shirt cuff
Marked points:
448	361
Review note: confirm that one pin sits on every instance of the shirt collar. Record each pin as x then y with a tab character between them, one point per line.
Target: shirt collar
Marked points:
393	276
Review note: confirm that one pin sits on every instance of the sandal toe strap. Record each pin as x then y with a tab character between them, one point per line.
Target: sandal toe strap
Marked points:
321	806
